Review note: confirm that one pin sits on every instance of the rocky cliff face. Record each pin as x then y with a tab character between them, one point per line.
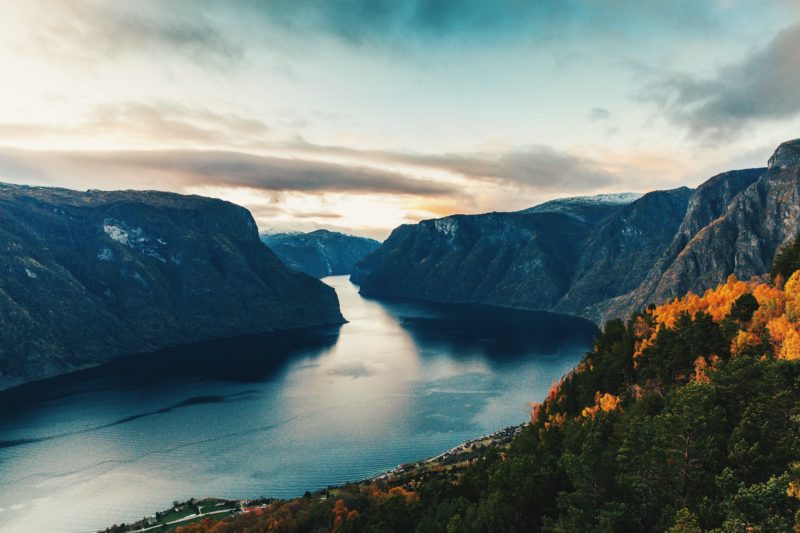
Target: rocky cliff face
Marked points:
320	253
87	276
567	255
596	257
741	239
622	250
709	202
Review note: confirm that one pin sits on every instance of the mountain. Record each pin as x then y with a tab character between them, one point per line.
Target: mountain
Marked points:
320	253
598	257
88	276
567	255
755	213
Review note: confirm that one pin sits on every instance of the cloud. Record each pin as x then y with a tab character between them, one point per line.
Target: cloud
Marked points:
155	122
540	167
165	121
763	86
219	33
98	29
185	168
599	113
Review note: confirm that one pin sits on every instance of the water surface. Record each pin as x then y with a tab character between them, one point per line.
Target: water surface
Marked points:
273	415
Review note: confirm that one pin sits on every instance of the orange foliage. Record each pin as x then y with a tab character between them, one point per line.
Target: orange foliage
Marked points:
700	367
716	302
743	340
555	420
777	316
602	402
643	333
791	291
777	312
541	410
536	412
785	337
341	515
376	494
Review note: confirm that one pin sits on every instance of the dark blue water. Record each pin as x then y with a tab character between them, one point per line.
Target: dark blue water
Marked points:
273	415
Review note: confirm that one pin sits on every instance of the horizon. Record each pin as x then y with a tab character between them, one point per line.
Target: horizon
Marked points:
360	119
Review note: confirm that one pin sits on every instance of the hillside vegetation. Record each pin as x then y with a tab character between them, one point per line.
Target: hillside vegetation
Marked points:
684	418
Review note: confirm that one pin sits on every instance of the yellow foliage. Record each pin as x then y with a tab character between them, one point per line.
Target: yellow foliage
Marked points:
777	317
602	402
555	420
777	310
791	347
785	337
742	340
791	291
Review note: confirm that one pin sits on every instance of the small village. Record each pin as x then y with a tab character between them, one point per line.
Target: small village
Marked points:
190	511
194	510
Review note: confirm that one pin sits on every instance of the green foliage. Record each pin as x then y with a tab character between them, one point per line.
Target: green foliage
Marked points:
743	308
685	522
787	260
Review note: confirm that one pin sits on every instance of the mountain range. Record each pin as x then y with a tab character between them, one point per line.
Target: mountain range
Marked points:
597	257
88	276
320	253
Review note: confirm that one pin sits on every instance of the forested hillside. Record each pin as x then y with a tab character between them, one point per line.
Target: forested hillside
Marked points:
684	418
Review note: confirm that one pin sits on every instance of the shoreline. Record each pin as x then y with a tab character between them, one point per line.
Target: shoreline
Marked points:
455	455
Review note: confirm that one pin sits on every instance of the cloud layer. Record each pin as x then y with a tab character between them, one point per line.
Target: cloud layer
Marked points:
210	168
98	29
764	85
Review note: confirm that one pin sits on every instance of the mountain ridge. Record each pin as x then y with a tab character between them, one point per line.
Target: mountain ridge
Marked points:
666	250
514	259
321	252
88	276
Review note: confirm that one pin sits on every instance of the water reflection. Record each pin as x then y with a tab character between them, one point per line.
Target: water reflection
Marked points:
272	415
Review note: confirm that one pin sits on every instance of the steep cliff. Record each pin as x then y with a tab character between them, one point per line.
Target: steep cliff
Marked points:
709	202
742	239
568	255
87	276
622	250
320	253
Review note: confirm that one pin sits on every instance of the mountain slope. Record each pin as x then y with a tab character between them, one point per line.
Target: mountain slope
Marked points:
622	249
567	255
737	237
320	253
87	276
598	257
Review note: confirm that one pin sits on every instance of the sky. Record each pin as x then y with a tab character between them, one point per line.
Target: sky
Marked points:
359	115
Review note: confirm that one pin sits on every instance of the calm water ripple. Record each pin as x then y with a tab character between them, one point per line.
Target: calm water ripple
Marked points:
272	415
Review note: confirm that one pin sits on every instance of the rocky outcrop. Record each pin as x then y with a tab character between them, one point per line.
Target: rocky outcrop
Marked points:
320	253
88	276
786	156
568	255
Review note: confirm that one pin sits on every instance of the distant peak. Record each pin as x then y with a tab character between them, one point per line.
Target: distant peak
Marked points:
787	155
620	198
